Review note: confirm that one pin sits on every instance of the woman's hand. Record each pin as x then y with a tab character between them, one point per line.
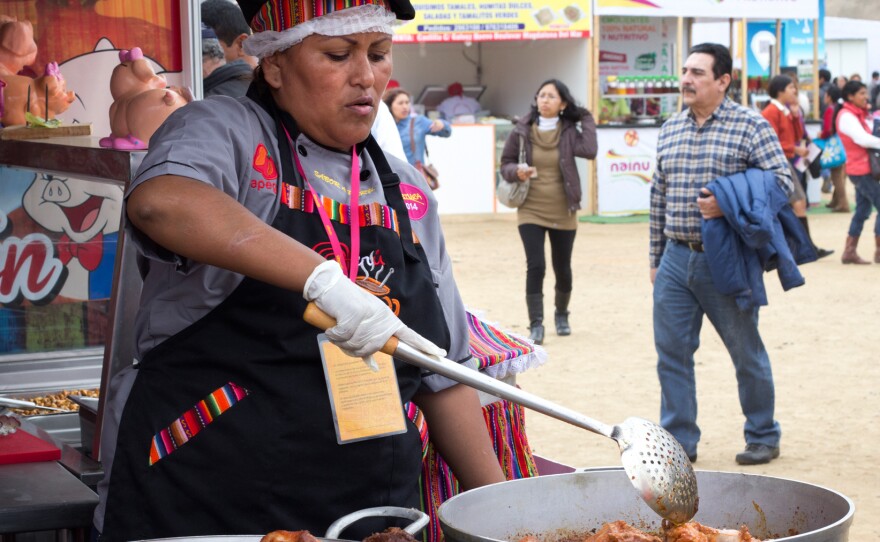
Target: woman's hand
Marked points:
363	322
437	125
801	151
524	173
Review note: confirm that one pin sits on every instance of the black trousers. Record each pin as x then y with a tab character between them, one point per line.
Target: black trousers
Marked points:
561	246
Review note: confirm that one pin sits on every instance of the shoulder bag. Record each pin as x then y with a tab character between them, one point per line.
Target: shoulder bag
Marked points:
429	171
833	155
513	194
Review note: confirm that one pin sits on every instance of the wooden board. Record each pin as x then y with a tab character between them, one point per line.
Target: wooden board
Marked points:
39	132
22	447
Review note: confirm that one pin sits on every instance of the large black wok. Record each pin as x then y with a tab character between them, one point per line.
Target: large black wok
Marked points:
772	508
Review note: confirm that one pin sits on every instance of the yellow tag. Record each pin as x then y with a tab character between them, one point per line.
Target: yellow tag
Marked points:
365	402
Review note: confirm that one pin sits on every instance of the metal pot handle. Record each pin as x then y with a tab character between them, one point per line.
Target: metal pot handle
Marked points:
419	519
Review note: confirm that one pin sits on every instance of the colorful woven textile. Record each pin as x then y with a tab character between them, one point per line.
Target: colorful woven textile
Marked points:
506	424
370	214
279	15
499	353
194	420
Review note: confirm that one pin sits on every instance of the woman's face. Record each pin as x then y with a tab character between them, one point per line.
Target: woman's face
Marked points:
332	85
789	96
549	102
860	98
400	107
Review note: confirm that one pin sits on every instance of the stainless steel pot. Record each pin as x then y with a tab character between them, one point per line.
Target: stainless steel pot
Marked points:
419	520
772	508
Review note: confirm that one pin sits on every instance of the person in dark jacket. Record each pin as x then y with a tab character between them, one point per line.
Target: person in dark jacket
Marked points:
227	21
231	79
218	77
542	148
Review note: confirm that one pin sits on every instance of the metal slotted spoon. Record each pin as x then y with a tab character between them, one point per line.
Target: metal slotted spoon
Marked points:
654	461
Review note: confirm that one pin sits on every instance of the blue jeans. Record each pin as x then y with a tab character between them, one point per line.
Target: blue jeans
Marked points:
683	293
867	196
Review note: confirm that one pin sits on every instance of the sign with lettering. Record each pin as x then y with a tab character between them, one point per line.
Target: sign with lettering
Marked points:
736	9
487	20
624	173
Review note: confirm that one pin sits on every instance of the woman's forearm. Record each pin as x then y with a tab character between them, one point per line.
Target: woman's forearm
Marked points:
202	223
458	431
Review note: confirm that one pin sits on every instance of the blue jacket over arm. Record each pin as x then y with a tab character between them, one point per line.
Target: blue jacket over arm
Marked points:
758	232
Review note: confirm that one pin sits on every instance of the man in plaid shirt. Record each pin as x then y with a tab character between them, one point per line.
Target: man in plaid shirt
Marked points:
713	137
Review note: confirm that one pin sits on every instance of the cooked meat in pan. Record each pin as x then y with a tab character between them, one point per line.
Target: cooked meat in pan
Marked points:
289	536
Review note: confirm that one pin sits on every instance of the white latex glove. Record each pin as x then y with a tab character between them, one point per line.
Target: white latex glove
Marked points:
363	322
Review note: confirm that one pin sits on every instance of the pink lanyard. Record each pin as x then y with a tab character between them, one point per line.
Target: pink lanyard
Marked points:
353	210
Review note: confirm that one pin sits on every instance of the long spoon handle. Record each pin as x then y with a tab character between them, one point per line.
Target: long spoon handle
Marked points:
472	378
18	403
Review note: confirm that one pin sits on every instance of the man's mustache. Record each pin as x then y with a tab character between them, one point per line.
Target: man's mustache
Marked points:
692	90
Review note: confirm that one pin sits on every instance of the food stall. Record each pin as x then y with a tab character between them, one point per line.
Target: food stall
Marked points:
639	50
507	48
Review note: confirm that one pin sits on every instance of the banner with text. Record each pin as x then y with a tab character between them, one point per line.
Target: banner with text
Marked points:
625	166
440	22
636	46
736	9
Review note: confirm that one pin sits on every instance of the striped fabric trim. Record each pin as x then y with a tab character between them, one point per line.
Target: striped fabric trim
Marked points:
279	15
505	422
194	420
491	346
415	415
370	214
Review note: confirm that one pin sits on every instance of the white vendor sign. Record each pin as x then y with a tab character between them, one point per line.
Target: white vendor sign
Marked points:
732	9
625	166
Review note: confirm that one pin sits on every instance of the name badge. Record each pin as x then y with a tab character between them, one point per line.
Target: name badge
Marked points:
365	401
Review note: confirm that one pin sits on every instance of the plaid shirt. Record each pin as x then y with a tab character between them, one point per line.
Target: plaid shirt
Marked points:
733	139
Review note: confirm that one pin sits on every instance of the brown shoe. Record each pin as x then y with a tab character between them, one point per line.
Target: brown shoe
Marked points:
849	252
877	250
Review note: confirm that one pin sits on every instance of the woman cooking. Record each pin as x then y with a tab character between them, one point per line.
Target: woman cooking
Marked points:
243	211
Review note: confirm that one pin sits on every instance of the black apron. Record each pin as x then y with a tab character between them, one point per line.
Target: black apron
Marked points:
271	460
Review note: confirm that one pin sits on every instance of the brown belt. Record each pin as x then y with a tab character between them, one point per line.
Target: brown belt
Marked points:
696	246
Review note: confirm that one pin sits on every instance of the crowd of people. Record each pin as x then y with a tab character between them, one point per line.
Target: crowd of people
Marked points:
230	266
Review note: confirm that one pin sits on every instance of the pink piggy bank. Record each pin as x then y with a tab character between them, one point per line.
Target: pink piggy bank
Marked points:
141	102
52	98
17	50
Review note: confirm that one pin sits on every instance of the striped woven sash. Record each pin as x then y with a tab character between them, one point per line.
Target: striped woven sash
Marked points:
369	214
194	420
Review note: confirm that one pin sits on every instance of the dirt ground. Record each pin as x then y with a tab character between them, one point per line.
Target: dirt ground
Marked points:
822	339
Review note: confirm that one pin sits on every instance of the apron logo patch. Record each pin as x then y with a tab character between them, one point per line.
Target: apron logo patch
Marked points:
194	420
264	164
416	201
375	277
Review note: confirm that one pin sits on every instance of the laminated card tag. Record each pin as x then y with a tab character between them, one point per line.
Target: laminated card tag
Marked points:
365	401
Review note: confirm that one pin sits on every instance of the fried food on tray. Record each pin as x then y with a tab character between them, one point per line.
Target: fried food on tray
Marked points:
391	534
289	536
621	531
